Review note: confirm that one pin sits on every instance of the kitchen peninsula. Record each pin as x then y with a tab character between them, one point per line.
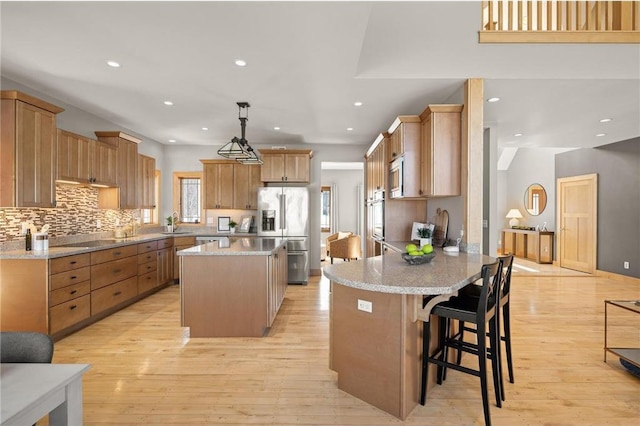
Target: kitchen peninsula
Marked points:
376	308
232	287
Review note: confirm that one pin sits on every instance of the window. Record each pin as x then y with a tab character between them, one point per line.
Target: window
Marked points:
187	196
325	203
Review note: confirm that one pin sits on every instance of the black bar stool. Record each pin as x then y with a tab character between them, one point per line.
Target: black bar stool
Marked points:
481	313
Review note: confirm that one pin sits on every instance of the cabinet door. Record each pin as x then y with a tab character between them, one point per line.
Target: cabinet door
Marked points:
218	186
74	157
441	151
165	265
273	169
297	168
396	147
127	174
246	183
146	182
35	156
104	168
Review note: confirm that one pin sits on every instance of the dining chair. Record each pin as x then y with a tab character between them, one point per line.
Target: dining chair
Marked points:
25	347
482	313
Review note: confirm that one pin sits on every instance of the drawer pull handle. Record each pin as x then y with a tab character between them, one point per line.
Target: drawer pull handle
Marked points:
116	253
73	291
73	277
72	307
117	271
148	267
117	293
73	263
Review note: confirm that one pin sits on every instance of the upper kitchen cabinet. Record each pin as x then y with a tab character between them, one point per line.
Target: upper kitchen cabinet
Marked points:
246	181
127	176
292	165
376	165
441	145
404	157
84	160
27	151
146	182
218	183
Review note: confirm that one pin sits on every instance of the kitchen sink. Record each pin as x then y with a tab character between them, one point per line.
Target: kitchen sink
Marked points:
177	232
94	243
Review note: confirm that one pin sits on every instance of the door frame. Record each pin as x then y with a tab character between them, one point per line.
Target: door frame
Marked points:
593	180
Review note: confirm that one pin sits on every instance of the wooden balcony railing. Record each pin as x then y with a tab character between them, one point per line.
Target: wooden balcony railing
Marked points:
536	21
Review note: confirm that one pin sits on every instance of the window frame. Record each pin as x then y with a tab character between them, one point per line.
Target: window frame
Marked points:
177	201
323	189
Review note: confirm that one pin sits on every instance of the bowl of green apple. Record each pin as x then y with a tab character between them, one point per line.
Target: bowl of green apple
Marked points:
415	255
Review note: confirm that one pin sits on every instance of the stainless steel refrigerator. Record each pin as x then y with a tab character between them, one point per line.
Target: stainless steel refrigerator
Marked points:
284	212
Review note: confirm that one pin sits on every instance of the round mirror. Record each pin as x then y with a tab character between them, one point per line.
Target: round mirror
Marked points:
535	199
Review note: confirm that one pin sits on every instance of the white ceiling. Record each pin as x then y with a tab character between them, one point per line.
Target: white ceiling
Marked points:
308	62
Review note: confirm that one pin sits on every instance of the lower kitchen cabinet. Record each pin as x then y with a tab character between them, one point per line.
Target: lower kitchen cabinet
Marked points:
69	313
165	265
113	295
180	243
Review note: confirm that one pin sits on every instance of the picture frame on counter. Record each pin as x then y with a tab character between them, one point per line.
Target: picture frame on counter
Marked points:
224	224
245	223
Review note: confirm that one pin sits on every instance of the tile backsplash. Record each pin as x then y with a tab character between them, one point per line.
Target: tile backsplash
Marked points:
76	213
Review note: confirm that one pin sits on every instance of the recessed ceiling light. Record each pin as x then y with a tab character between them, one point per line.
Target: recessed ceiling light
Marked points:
517	135
493	99
205	128
357	103
349	129
601	134
241	63
606	120
172	140
276	128
113	64
168	103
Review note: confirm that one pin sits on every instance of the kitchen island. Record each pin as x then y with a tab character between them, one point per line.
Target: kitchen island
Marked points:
232	287
375	322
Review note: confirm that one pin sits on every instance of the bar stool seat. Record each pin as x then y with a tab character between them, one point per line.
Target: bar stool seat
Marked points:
481	313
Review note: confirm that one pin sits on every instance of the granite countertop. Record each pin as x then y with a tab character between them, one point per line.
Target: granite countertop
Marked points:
446	273
236	246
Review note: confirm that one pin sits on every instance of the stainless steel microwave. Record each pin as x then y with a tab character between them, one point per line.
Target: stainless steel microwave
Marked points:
396	178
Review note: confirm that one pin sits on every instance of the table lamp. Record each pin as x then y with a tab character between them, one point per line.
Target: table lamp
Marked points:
514	215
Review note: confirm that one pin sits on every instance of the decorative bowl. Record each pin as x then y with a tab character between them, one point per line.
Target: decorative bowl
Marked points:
418	260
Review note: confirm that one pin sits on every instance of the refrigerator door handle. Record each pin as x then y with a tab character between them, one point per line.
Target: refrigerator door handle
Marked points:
283	211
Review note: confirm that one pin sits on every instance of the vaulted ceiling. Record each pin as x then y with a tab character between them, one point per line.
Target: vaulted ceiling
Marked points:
307	63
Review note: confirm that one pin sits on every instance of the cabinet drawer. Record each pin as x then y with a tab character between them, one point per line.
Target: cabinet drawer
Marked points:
167	242
184	241
111	272
146	257
147	267
69	263
147	281
69	313
64	279
69	293
113	295
147	247
113	254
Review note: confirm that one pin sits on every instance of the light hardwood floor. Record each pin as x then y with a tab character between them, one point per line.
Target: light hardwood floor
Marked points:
146	370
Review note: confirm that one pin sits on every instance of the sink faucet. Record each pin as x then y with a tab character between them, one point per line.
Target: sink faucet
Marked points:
176	218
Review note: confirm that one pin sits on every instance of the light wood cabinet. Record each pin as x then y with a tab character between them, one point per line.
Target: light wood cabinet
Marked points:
218	184
246	181
147	266
536	246
165	265
440	150
69	291
404	143
27	151
286	165
126	194
180	243
376	166
85	160
277	282
146	182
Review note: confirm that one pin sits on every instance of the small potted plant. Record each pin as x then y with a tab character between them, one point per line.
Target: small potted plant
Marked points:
425	236
232	226
170	223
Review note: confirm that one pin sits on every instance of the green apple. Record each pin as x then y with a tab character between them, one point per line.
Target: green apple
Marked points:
428	248
410	247
415	253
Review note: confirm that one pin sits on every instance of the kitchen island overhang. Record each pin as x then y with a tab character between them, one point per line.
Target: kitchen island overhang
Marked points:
232	287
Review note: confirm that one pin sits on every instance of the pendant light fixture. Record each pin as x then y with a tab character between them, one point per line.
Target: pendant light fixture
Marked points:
239	149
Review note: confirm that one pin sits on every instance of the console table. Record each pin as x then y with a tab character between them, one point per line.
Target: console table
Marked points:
626	351
532	245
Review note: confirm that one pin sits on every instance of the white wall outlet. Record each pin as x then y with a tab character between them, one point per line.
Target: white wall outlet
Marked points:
209	221
98	224
24	226
365	305
626	265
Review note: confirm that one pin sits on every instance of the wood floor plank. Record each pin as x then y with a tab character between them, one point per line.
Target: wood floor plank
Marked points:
147	371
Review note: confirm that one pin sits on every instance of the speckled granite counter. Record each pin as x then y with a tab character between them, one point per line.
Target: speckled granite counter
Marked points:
374	328
390	274
237	246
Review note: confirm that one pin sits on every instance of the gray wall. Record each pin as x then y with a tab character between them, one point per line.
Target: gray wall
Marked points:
618	169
